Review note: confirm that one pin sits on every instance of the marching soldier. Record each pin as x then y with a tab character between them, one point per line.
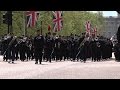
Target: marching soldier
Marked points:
57	48
81	39
93	49
117	52
31	48
49	43
98	50
22	48
4	47
17	49
67	48
38	47
117	46
8	48
28	45
61	48
54	38
74	48
84	49
11	48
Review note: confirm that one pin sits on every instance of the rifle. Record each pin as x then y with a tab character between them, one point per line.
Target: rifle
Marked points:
82	43
13	39
18	42
52	53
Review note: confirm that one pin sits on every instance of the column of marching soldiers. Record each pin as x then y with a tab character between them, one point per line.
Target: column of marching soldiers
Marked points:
53	47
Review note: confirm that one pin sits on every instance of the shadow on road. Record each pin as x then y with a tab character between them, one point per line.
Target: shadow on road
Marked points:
12	63
41	64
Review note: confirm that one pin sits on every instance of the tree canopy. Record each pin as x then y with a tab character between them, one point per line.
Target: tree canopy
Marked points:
73	22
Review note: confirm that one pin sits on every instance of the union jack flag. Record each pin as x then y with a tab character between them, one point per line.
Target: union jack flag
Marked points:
95	31
88	26
32	17
57	20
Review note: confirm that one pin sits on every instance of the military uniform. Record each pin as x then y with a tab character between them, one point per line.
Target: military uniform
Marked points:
12	49
117	46
93	49
22	49
28	43
49	42
4	48
57	48
17	50
117	51
38	48
98	50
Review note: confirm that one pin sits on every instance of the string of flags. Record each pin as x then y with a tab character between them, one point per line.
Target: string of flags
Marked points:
32	18
57	20
90	31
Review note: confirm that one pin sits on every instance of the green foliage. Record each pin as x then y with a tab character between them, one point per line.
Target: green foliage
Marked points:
73	22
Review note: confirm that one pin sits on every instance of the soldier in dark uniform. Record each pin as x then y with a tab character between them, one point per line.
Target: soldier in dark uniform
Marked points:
7	52
109	48
83	53
88	40
106	50
93	49
117	52
4	47
31	48
49	43
38	47
45	48
28	43
70	47
98	50
62	48
74	48
103	49
67	48
79	48
54	38
57	48
22	48
117	46
72	52
17	49
11	47
118	34
77	44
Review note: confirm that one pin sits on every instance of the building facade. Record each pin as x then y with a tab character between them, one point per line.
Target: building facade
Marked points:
111	26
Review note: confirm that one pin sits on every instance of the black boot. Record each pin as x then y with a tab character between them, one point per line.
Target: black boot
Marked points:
36	62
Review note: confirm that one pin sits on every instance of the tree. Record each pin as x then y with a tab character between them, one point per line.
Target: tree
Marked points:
73	22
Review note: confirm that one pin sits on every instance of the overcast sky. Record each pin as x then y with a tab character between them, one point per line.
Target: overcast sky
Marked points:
109	13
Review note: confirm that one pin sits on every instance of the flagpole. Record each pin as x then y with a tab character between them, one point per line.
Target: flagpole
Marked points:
0	17
41	27
25	24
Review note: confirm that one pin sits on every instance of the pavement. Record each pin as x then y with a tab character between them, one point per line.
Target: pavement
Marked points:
60	70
